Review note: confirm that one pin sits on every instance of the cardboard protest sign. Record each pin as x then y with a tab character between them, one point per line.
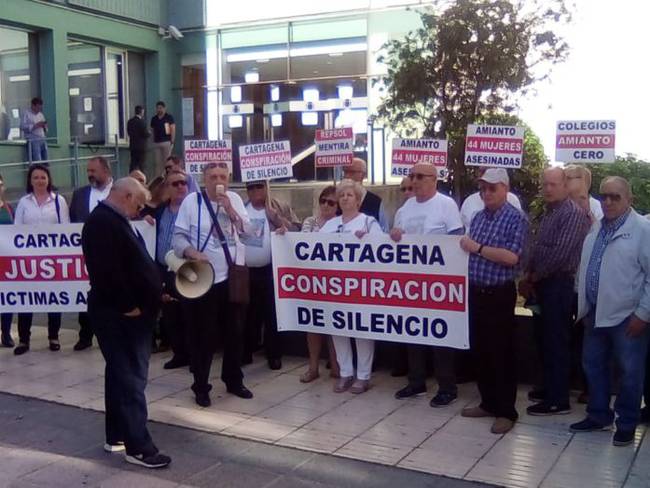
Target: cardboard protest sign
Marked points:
498	146
265	161
585	141
42	268
407	152
414	291
334	147
199	152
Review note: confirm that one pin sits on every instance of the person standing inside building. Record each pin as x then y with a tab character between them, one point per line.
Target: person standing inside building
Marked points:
495	243
34	128
123	301
164	133
554	260
6	218
84	201
266	215
428	213
138	132
371	204
614	303
41	205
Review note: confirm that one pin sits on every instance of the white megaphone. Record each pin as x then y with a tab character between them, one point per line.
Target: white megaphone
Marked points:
193	278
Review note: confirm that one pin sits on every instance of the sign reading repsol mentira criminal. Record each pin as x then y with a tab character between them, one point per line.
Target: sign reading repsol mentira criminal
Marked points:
42	268
414	291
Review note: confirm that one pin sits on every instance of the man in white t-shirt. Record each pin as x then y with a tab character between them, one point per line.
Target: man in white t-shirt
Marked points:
427	213
196	238
266	215
473	204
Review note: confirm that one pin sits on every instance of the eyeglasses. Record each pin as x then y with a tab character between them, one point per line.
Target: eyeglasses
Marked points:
329	202
614	197
419	176
487	188
404	189
178	183
256	186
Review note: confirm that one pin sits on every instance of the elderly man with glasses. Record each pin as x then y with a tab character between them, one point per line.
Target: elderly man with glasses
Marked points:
614	301
371	204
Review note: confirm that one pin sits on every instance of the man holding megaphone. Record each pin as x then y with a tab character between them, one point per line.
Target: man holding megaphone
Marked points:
207	230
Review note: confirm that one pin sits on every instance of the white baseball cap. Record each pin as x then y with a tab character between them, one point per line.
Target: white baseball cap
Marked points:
495	175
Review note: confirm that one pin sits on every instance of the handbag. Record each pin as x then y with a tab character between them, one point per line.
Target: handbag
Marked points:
238	274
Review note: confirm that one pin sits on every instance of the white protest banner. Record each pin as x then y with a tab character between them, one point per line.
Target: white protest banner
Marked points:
334	147
414	291
585	141
500	146
199	152
407	152
265	161
42	268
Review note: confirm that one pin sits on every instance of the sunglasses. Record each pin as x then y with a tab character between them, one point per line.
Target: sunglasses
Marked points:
256	186
329	202
404	189
419	176
178	183
614	197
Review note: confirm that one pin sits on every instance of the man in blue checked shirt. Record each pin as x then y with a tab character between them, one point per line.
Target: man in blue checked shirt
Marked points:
614	301
496	242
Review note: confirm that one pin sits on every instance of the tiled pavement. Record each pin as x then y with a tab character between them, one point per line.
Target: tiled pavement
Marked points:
372	427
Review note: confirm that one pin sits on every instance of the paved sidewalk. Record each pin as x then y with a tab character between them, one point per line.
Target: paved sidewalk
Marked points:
46	444
374	426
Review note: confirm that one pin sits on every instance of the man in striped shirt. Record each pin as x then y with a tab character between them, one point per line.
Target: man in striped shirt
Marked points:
551	273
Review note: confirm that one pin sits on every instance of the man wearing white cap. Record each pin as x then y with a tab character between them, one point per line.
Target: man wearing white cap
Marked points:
428	212
496	241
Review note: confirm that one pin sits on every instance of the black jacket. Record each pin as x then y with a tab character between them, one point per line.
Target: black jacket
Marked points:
371	205
80	204
138	133
122	274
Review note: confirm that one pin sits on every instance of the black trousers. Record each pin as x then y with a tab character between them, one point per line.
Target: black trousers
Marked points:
138	158
5	320
207	316
173	323
25	326
443	366
261	314
492	329
86	332
126	346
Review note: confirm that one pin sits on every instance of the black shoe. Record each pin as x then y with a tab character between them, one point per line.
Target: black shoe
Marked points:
152	461
543	408
7	341
176	362
588	425
399	372
536	395
21	349
623	437
81	345
410	391
442	399
275	364
55	346
241	391
203	400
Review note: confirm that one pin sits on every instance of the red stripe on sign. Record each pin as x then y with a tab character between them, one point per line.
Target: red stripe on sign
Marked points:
581	141
67	267
433	292
409	156
496	145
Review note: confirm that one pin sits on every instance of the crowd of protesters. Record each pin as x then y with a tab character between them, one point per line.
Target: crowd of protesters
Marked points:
586	262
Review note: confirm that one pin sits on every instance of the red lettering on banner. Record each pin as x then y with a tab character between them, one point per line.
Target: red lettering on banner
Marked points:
494	145
580	141
67	267
434	292
405	156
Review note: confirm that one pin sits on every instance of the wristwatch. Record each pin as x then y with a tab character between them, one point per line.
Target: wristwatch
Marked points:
480	248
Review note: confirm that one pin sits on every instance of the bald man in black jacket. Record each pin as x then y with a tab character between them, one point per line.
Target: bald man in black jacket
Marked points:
124	297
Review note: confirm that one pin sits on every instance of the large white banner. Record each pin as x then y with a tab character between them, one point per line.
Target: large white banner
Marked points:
42	268
585	141
414	291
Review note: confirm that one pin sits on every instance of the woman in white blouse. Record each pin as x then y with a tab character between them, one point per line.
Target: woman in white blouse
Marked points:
38	207
349	195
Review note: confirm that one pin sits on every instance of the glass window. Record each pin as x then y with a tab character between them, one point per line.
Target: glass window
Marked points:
135	66
86	92
115	100
19	81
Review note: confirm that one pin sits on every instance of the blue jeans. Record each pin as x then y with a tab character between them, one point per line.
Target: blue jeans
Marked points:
38	149
600	344
126	346
555	295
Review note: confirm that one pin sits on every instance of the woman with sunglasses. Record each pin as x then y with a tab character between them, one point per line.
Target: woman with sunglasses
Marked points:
349	195
6	218
40	206
327	207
